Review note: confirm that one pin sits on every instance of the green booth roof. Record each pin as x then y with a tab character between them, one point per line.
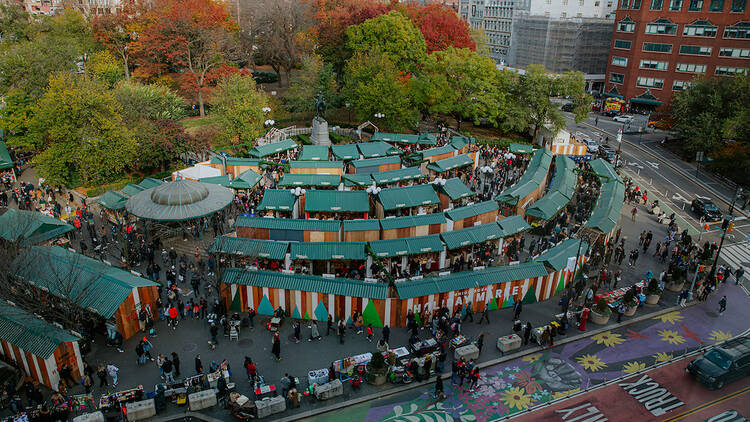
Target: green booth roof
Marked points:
372	162
31	334
398	175
535	173
377	149
150	182
513	225
314	153
5	161
359	225
289	224
407	197
391	223
305	283
561	190
246	180
361	179
328	251
113	200
521	148
445	149
472	235
230	245
406	246
131	189
262	151
472	210
455	189
345	151
316	164
304	180
451	163
337	201
29	227
277	199
556	257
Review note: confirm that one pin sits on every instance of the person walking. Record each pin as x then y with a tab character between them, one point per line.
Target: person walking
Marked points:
101	373
329	325
634	213
369	333
314	333
341	331
517	308
386	333
214	330
168	374
297	331
276	348
738	274
480	343
176	364
439	394
198	365
160	364
722	305
485	314
526	333
112	371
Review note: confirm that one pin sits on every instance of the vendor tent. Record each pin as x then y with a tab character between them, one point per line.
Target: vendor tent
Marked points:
345	151
277	199
376	165
113	200
361	230
407	197
30	228
337	201
239	246
310	180
288	229
377	149
314	153
5	160
472	235
398	175
451	163
266	150
328	251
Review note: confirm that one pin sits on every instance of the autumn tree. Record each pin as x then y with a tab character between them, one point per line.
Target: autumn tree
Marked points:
392	34
190	38
440	26
238	108
373	84
119	31
314	77
103	66
282	39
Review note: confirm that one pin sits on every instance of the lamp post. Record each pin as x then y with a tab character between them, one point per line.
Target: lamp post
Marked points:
349	112
379	116
619	147
724	226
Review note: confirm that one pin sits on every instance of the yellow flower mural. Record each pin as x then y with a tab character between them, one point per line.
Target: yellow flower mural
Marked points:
532	358
633	367
591	363
671	317
671	336
663	357
718	335
516	397
608	339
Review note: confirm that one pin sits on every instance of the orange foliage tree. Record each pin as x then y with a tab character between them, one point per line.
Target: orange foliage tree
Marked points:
441	27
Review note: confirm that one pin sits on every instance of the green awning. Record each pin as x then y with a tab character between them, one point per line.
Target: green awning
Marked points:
337	201
536	172
547	207
398	175
305	180
314	153
389	248
407	197
455	189
237	161
216	180
261	151
339	165
471	210
608	206
5	161
288	224
246	180
150	182
362	179
612	93
359	225
374	162
445	149
513	225
424	244
401	138
521	148
561	190
645	101
604	170
391	223
345	151
131	189
329	251
451	163
270	249
30	227
277	199
377	149
471	235
31	334
556	257
113	200
305	283
427	139
458	142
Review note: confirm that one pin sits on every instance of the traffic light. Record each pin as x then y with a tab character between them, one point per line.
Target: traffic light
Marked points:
730	227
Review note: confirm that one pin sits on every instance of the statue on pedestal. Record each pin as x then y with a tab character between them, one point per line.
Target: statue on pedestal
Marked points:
319	134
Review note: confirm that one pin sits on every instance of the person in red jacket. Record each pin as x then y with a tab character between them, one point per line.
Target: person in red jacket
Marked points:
173	314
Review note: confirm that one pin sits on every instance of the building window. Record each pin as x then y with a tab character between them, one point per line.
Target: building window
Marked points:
680	85
740	53
675	5
700	29
695	5
738	30
657	48
662	27
580	2
731	71
636	4
654	64
696	50
619	61
563	15
738	6
650	82
626	25
625	45
657	4
690	68
616	78
716	6
624	4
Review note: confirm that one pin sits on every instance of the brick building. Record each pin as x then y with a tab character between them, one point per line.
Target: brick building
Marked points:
659	46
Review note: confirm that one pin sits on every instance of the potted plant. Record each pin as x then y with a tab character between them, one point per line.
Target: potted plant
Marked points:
600	313
377	369
630	302
653	292
674	283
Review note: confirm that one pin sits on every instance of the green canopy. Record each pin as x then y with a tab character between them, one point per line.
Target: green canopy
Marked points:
5	161
314	153
246	180
328	251
521	148
401	138
451	163
131	189
472	210
179	200
406	246
305	283
261	151
513	225
535	174
361	179
398	175
222	180
29	227
454	189
359	225
113	200
345	151
407	197
377	149
561	190
391	223
647	98
289	224
606	212
458	142
30	333
337	201
230	245
277	199
305	180
445	149
316	164
150	182
471	235
374	162
556	257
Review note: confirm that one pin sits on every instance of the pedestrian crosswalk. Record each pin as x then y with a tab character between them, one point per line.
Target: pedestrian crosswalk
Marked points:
737	255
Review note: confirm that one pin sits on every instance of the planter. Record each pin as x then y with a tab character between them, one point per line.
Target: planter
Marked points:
598	318
377	377
652	299
630	310
675	287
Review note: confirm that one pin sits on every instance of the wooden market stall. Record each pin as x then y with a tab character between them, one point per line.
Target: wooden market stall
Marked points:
406	200
236	165
412	225
530	186
274	149
7	167
38	347
606	212
315	153
361	230
447	167
277	203
560	262
436	154
296	230
320	181
346	204
452	192
422	250
562	188
30	228
374	165
471	215
377	149
240	252
316	167
345	259
398	176
345	152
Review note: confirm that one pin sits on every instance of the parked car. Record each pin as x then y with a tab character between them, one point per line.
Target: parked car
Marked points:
592	146
610	113
567	107
608	153
704	207
661	124
723	364
624	118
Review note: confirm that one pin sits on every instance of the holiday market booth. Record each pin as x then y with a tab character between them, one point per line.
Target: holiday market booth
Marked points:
6	163
31	228
462	144
403	138
345	152
471	215
374	165
529	187
296	230
448	167
361	230
412	225
562	188
397	177
39	348
357	181
274	150
308	297
452	192
242	253
424	250
277	203
340	258
321	181
436	154
481	241
608	205
236	165
113	293
560	262
315	153
316	167
406	200
327	204
377	149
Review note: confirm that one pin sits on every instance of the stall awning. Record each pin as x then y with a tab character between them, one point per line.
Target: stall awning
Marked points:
246	180
328	251
407	197
445	149
411	221
5	161
305	283
277	199
31	334
361	225
222	180
150	182
237	161
398	175
377	149
314	153
345	151
471	210
373	162
317	165
513	225
362	179
240	246
401	138
30	227
557	257
535	173
608	205
471	235
647	98
337	201
612	93
455	189
261	151
560	192
459	142
113	200
288	224
424	244
131	189
521	148
304	180
451	163
406	246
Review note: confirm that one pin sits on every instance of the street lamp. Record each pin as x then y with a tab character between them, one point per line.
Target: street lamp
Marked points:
619	147
269	123
349	112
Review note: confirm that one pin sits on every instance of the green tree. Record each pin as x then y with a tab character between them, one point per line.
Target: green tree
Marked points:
373	84
104	66
394	35
78	130
15	23
314	77
238	109
463	84
148	102
16	115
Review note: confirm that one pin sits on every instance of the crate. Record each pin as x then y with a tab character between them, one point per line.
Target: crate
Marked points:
269	406
467	352
90	417
202	400
140	410
508	343
329	390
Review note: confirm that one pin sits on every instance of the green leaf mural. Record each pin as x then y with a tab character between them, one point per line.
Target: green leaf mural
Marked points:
493	304
371	316
265	307
321	313
561	283
508	302
530	297
236	302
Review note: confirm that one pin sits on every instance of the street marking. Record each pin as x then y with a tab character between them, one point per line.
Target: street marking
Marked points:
652	164
709	404
636	165
678	197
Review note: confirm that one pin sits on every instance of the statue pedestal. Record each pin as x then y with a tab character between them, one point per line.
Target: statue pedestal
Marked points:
319	135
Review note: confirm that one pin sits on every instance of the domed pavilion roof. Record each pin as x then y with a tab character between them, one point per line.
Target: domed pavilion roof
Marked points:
179	200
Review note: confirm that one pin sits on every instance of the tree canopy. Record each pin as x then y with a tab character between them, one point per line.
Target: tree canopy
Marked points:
393	35
238	108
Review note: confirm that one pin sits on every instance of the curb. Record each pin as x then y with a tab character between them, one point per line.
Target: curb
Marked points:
481	365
